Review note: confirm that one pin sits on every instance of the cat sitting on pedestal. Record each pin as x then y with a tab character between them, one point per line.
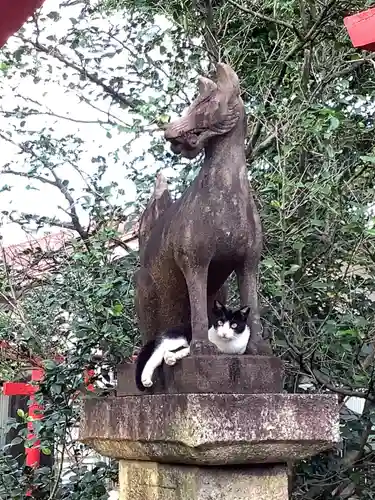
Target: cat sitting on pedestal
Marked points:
228	331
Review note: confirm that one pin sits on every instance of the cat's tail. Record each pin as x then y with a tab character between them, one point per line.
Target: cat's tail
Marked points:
144	355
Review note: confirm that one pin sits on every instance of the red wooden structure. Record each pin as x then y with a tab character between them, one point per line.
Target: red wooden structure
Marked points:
13	14
35	410
361	29
35	413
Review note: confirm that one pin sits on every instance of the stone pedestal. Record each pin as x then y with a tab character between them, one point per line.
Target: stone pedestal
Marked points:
213	427
153	481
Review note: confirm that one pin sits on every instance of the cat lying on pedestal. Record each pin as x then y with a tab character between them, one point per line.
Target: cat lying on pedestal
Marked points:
229	332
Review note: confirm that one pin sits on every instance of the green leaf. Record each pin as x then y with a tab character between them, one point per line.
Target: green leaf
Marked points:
20	413
319	285
56	388
117	309
350	332
49	364
55	16
268	262
139	63
368	159
334	123
163	119
293	268
17	440
325	189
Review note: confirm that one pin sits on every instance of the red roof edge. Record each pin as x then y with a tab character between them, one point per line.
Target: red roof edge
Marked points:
13	14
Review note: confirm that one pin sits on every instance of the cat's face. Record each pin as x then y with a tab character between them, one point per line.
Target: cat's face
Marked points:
227	323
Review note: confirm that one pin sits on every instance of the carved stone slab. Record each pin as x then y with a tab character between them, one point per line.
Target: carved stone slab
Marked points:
212	429
220	374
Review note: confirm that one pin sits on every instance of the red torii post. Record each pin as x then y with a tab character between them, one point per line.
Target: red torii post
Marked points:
35	409
361	29
13	14
35	412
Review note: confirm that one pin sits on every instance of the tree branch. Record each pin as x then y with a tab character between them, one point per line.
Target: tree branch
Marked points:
339	390
72	209
49	113
259	15
342	72
57	183
93	78
42	219
29	176
310	36
261	148
108	113
320	378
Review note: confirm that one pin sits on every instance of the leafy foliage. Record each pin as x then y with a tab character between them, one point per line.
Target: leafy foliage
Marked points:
84	304
311	157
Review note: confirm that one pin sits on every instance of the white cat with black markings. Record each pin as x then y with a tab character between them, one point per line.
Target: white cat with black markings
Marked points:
169	347
228	331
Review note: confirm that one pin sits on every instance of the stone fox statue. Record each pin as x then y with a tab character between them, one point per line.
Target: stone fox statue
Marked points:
159	202
213	229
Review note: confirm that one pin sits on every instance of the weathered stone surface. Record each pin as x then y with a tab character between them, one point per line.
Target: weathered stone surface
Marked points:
220	429
218	374
213	229
152	481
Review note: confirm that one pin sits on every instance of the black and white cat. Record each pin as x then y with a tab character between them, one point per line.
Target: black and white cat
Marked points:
171	346
228	331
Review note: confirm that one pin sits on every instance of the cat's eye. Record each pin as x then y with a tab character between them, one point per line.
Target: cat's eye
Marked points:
220	323
234	325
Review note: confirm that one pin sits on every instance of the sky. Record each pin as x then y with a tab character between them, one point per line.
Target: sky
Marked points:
54	98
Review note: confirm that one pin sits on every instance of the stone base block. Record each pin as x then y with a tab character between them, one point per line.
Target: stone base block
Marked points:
217	374
152	481
212	429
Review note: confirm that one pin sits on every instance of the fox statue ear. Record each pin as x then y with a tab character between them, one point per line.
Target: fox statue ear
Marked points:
205	85
245	311
218	307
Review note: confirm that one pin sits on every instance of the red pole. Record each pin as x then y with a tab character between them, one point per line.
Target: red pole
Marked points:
35	413
35	410
22	389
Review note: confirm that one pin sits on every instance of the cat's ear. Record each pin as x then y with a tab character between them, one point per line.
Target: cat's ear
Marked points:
218	307
244	311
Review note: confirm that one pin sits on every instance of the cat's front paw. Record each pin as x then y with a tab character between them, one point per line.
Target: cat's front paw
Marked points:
147	382
170	358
